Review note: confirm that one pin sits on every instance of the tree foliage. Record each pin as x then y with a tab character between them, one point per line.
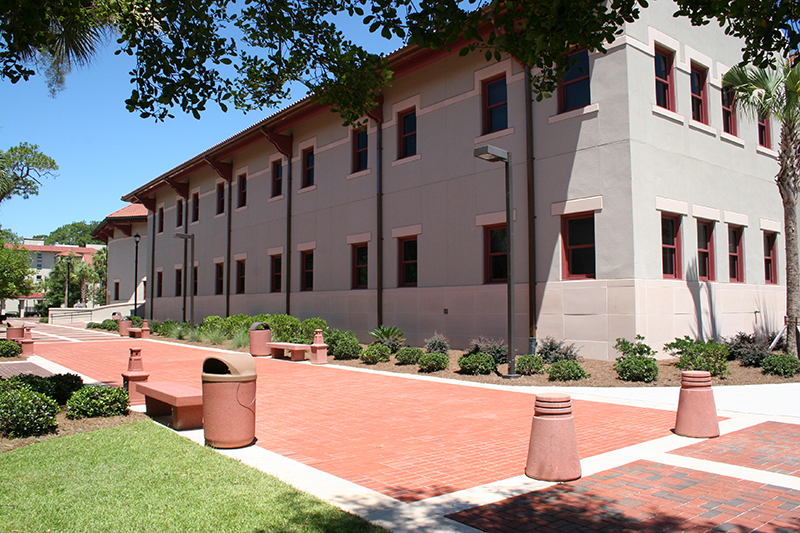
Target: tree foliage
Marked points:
76	233
15	271
22	169
82	278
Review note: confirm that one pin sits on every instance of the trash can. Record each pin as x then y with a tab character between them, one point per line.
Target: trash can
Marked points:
229	400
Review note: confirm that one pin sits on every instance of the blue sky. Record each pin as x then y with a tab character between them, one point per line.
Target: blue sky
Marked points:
102	150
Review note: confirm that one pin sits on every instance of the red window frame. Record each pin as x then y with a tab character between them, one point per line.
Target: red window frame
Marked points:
360	149
275	269
405	136
705	250
219	278
308	168
729	124
497	109
179	212
770	258
277	178
116	290
240	276
573	253
178	282
242	200
195	207
307	270
220	198
671	248
764	134
360	264
405	264
575	77
699	89
665	83
491	269
735	255
159	284
160	220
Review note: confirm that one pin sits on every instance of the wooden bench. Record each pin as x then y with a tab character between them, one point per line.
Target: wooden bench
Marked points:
164	398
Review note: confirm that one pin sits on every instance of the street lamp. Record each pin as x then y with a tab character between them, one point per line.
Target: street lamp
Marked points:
136	239
66	292
492	154
190	238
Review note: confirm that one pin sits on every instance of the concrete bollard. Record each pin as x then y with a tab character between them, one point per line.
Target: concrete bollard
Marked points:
553	451
28	334
697	413
134	374
27	346
319	350
145	330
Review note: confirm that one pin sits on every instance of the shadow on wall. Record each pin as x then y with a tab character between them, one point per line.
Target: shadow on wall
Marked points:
763	322
697	289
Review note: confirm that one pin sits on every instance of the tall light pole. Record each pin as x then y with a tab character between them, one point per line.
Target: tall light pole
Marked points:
493	154
136	239
66	291
190	237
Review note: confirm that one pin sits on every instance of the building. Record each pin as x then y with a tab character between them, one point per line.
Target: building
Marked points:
643	205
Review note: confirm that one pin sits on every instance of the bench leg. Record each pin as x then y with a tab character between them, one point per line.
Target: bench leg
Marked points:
188	417
278	353
156	407
298	355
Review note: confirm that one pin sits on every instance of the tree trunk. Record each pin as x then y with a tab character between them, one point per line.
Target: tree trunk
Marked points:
787	181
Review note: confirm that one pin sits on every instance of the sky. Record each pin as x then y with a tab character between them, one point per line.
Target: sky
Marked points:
102	150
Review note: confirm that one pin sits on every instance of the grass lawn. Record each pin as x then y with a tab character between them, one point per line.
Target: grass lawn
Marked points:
141	477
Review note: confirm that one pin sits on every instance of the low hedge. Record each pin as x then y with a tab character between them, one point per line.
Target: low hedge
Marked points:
432	362
9	348
98	401
530	364
566	371
26	413
781	364
375	353
408	355
477	363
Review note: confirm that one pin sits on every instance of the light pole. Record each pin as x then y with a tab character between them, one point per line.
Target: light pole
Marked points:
190	237
66	291
136	239
493	154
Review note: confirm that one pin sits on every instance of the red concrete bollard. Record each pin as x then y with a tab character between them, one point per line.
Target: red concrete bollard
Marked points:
258	342
697	413
28	333
319	350
553	451
134	374
145	330
27	347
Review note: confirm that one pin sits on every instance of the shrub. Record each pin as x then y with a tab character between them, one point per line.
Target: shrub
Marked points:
347	348
94	325
284	327
334	336
749	349
194	334
241	338
553	351
43	320
781	364
637	368
214	336
234	323
389	336
210	322
477	363
529	364
98	400
431	362
12	384
375	353
437	343
136	321
307	328
9	348
24	413
408	355
109	325
566	370
637	347
163	328
699	355
58	387
497	349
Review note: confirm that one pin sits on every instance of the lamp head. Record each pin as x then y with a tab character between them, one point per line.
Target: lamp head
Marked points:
137	238
491	153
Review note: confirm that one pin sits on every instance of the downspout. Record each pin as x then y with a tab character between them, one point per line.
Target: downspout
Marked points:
152	266
529	164
228	251
377	115
185	254
288	268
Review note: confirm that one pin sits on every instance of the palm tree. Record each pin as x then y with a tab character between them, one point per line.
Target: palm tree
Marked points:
775	93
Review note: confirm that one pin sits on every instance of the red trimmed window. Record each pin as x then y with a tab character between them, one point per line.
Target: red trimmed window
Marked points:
195	207
770	258
360	266
665	90
178	282
495	254
116	290
194	281
277	178
275	273
307	270
495	104
728	114
699	94
577	233
574	91
735	257
179	212
220	198
671	246
705	250
240	271
219	278
308	168
407	272
159	284
160	220
242	191
763	132
360	150
407	136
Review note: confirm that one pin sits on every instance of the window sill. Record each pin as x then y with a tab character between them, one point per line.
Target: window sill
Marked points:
243	208
359	174
219	215
307	189
494	135
705	128
405	160
591	108
763	150
666	113
727	137
194	223
275	198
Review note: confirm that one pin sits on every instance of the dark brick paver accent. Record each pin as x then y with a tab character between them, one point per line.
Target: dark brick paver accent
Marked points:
13	368
674	499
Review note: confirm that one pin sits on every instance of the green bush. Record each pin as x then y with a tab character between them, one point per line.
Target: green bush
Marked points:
12	384
43	320
389	336
530	364
496	348
637	368
9	348
552	351
781	364
637	347
437	343
162	328
197	335
566	370
375	353
25	413
214	335
241	338
334	336
109	325
284	328
136	321
477	363
431	362
699	355
94	325
234	323
210	322
749	349
58	387
307	328
98	401
408	355
347	348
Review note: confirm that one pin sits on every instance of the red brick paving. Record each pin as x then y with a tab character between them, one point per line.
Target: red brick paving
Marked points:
643	496
405	438
770	446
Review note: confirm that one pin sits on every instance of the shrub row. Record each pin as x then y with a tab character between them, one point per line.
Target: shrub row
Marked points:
9	348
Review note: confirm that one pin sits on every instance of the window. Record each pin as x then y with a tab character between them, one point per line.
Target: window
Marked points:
220	198
219	278
277	178
665	96
495	248
671	246
159	284
728	114
275	273
116	290
408	262
407	136
178	282
195	207
495	104
307	271
242	191
179	212
360	150
770	258
240	277
763	132
160	220
705	250
308	168
735	264
360	259
699	101
577	232
573	91
194	281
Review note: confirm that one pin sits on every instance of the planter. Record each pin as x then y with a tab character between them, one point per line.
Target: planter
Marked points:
124	325
258	341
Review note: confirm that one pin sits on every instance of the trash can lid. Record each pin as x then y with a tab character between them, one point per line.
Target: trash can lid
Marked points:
256	326
229	367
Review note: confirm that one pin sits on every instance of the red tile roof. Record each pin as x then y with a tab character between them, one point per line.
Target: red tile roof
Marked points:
132	210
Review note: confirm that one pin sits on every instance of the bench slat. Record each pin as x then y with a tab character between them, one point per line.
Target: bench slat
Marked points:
175	394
